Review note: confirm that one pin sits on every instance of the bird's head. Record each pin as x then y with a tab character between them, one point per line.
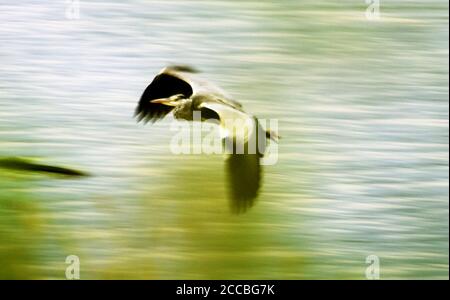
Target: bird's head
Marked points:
174	100
182	106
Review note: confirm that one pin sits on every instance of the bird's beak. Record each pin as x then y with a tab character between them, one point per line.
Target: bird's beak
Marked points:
165	101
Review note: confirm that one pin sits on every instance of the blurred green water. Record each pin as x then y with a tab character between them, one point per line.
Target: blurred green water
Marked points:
363	163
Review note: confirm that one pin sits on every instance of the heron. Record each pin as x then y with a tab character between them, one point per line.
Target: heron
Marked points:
179	90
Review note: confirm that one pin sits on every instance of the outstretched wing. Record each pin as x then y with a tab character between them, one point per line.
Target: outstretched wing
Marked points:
163	85
182	68
242	135
244	180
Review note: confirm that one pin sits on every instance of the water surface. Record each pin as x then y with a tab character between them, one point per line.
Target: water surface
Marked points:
363	164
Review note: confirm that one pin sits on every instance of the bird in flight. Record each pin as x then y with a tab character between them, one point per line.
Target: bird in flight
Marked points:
178	89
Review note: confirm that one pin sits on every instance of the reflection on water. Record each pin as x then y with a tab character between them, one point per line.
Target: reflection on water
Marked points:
363	163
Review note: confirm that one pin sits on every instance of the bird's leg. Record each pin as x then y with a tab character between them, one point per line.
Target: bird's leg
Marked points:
273	136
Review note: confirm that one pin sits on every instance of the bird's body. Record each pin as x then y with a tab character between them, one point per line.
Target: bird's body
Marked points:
177	89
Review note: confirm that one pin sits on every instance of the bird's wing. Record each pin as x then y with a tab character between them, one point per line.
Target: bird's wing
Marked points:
244	180
243	167
232	103
201	86
182	68
164	85
22	164
235	124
